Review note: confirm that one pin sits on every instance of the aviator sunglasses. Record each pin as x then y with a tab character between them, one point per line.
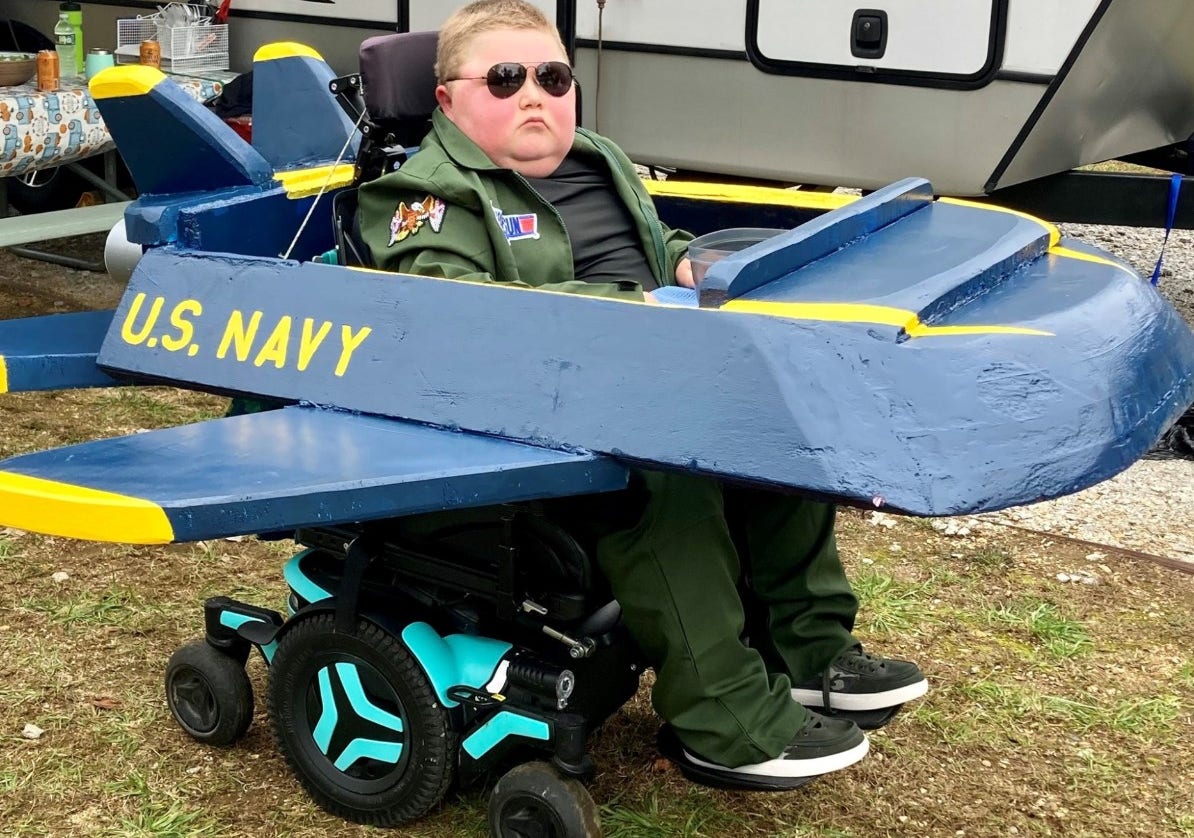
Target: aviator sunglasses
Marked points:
507	78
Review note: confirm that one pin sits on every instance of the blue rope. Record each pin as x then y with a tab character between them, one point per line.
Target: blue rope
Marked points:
1175	189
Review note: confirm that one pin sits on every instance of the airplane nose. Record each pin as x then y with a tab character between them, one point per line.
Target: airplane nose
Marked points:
120	255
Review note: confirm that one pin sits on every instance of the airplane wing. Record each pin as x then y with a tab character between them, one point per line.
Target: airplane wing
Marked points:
276	471
55	352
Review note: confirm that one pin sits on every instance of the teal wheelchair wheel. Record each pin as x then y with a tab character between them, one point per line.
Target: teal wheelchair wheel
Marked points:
359	723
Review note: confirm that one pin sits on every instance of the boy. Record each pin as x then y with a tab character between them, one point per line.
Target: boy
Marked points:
507	189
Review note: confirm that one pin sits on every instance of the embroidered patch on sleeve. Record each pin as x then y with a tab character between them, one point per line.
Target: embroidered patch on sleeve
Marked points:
409	220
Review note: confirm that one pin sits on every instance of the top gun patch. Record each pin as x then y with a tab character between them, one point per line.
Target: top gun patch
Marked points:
409	220
516	227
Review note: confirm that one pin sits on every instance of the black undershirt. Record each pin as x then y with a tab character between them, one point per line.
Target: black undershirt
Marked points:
605	243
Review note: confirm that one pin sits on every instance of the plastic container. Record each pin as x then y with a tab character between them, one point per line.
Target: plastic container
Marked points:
713	247
74	13
64	37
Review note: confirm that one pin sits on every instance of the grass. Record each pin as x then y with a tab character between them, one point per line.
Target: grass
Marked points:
115	606
1043	621
692	816
991	558
1032	700
1184	822
1012	706
158	407
167	819
887	604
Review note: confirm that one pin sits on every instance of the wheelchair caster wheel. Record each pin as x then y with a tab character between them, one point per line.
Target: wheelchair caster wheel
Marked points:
359	723
533	800
209	694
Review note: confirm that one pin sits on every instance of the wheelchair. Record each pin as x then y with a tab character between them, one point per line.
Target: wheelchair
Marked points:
421	654
417	657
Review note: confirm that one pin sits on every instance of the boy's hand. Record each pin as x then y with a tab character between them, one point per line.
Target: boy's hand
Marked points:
684	274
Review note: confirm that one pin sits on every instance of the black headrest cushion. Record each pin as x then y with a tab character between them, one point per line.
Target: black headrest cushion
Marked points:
398	73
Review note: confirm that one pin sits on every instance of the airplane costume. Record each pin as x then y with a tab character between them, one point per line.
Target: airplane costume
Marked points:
680	546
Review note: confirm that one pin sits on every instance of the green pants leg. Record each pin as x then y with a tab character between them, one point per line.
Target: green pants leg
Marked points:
676	576
799	602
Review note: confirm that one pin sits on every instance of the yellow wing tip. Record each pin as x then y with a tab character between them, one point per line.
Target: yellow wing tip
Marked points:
284	49
125	80
70	511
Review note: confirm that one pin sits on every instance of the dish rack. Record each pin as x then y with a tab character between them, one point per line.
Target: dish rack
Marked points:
185	49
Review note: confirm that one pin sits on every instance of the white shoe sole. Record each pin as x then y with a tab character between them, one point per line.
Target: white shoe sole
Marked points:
851	702
792	767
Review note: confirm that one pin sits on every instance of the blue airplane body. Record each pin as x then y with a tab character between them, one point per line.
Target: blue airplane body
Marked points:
927	356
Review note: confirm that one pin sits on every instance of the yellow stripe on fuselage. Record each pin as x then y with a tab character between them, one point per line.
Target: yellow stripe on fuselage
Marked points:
3	375
53	508
1066	253
738	194
866	313
300	183
1054	233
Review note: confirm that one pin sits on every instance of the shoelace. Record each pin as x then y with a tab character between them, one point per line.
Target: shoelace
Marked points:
873	664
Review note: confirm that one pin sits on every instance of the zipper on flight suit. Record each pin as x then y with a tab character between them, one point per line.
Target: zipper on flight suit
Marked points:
554	211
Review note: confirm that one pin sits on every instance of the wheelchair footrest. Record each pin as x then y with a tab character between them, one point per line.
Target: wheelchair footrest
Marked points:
230	623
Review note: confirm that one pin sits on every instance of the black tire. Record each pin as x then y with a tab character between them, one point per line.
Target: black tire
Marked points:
209	694
43	190
534	800
409	770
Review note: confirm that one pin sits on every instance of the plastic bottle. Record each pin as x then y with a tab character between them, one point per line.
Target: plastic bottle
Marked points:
64	35
74	13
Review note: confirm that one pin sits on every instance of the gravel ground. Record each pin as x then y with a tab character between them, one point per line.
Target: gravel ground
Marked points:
1141	509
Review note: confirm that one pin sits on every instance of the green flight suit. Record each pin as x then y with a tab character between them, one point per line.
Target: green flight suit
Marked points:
677	575
478	197
675	552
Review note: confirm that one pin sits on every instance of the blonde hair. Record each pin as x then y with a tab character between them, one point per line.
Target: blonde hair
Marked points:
483	16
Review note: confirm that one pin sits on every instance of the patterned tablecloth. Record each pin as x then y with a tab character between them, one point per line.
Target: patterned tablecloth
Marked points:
41	130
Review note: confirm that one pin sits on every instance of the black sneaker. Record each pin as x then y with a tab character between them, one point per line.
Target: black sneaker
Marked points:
820	746
856	682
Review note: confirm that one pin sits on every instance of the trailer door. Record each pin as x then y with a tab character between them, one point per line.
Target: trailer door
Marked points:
931	42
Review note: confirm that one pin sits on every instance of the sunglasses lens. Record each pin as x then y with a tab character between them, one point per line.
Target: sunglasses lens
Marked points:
555	77
507	78
504	80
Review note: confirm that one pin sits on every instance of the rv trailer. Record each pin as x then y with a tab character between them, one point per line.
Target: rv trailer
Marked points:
976	95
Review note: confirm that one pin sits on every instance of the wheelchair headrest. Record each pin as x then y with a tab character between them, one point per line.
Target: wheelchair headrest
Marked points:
398	74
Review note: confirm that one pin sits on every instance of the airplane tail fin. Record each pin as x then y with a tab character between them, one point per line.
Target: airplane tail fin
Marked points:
170	142
296	122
